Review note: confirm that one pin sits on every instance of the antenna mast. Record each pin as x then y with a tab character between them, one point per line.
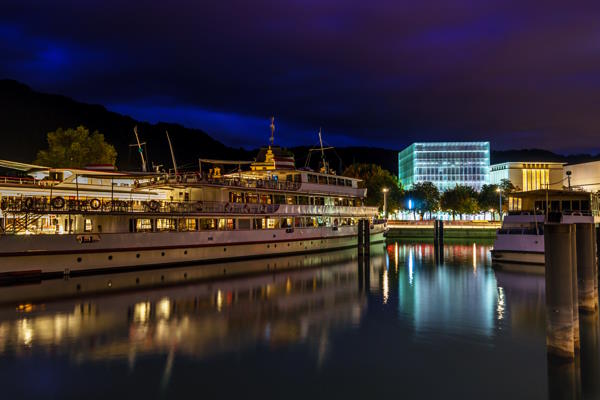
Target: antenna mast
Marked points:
272	126
139	146
324	166
172	153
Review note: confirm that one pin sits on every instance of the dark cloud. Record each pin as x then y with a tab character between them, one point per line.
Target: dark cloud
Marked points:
383	73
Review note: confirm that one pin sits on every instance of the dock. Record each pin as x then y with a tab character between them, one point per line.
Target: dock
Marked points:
452	229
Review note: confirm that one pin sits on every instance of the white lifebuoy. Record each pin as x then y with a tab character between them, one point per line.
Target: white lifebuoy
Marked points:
58	202
95	204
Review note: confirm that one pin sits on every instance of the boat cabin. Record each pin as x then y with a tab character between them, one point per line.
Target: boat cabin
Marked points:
541	202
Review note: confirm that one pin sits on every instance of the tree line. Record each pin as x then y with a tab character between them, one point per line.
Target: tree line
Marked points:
425	198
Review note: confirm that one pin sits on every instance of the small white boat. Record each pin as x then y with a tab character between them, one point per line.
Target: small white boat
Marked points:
521	238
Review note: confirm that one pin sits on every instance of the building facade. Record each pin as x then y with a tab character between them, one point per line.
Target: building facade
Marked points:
445	164
584	176
526	176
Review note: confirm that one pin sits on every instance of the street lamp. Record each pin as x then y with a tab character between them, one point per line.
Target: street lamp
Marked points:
385	192
500	203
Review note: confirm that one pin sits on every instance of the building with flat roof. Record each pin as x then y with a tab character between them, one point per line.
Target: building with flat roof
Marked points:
526	176
584	176
445	164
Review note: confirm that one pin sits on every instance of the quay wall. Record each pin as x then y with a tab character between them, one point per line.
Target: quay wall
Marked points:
462	231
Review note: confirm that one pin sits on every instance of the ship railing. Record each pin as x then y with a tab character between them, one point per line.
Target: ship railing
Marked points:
542	213
522	231
359	211
204	179
58	205
14	180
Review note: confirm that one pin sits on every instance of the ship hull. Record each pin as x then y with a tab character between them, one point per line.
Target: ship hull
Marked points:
45	255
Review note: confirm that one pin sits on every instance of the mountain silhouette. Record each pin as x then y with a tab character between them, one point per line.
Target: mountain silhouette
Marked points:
26	116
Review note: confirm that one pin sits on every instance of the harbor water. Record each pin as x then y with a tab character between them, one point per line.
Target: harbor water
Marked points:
403	323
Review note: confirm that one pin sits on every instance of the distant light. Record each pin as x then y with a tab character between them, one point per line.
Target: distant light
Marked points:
410	206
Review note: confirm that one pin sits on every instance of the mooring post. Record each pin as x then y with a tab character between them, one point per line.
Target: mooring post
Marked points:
590	362
441	232
367	239
559	296
597	235
361	236
574	286
586	264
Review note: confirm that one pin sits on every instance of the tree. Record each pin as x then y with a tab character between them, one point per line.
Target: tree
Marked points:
460	200
426	197
507	187
375	179
76	148
489	198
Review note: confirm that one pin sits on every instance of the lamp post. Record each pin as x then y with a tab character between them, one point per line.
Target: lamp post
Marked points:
385	192
499	203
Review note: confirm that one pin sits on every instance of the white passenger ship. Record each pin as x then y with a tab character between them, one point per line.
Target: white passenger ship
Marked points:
69	221
521	238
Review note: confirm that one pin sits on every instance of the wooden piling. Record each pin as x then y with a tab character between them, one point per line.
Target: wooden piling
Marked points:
597	249
364	237
586	264
574	290
559	287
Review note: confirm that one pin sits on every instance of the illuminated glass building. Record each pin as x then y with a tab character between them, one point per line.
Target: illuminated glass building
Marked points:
446	164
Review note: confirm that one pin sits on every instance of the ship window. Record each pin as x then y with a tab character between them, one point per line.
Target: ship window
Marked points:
566	205
272	223
585	205
312	178
207	224
258	223
298	222
279	199
302	199
226	224
575	205
340	182
166	224
143	225
322	180
87	225
243	224
286	222
187	224
554	205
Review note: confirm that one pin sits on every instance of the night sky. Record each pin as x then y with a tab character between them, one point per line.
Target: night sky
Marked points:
380	73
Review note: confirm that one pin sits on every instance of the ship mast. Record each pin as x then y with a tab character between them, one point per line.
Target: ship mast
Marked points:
139	146
324	166
172	153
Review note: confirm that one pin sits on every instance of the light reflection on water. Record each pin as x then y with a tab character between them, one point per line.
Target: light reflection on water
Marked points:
320	325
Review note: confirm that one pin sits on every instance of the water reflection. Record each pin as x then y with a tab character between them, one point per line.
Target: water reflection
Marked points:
198	319
407	315
451	298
